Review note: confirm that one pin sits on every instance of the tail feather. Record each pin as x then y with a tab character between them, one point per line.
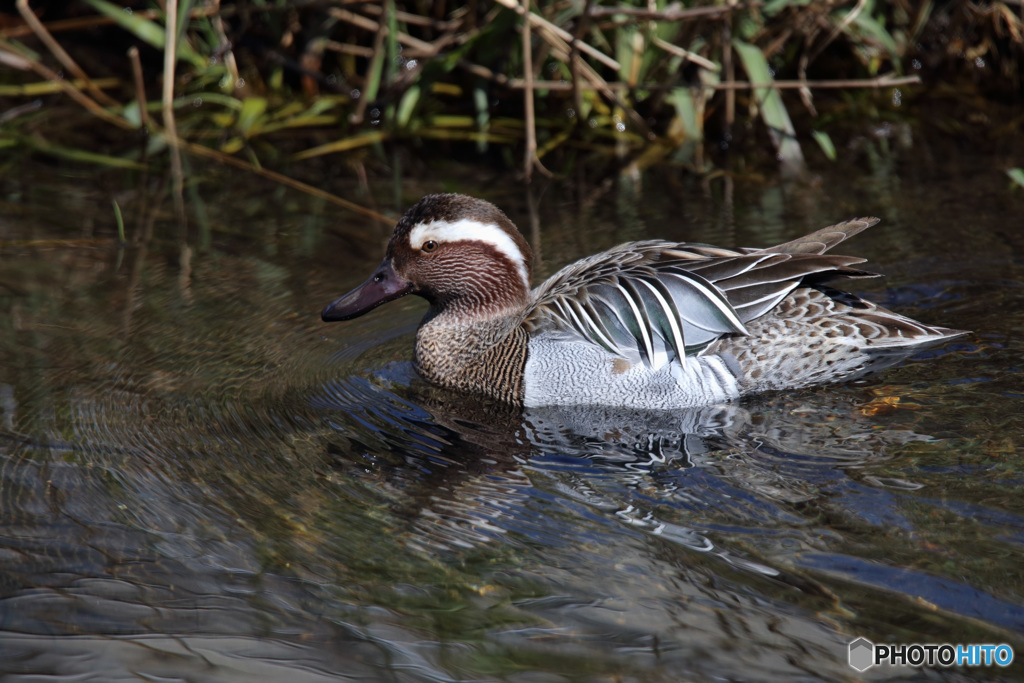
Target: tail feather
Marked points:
820	241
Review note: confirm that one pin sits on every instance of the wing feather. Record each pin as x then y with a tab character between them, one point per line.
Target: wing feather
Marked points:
653	301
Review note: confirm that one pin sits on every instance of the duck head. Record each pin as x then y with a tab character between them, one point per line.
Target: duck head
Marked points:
463	255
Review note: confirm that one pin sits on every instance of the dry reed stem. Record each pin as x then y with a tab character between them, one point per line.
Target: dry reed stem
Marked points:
483	72
19	61
839	28
686	54
170	127
670	14
542	23
87	22
582	26
229	56
57	51
140	85
885	81
357	116
530	160
373	26
357	50
68	87
805	93
417	19
562	52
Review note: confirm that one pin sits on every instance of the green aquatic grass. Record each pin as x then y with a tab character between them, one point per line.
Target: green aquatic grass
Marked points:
393	72
1016	175
119	220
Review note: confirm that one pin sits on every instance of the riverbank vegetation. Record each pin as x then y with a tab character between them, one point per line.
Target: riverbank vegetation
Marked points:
539	87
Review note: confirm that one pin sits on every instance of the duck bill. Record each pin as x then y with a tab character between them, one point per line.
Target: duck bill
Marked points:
383	286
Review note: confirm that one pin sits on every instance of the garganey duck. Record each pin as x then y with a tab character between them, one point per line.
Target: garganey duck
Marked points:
650	324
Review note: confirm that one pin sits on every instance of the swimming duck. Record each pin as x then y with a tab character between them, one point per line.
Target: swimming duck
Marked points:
651	324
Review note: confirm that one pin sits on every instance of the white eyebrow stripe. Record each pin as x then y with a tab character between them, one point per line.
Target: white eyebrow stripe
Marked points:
467	229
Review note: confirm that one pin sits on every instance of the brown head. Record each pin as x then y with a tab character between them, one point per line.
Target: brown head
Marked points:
461	254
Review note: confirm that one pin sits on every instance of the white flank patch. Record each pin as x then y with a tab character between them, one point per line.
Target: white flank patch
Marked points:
467	229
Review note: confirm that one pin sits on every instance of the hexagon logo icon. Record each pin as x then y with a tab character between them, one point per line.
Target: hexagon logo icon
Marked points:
862	654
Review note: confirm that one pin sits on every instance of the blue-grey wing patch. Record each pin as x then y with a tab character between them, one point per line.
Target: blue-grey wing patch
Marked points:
655	301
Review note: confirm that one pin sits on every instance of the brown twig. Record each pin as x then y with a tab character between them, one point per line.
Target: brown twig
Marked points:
200	150
57	51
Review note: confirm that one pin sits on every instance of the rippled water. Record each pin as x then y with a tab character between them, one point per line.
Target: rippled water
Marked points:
201	481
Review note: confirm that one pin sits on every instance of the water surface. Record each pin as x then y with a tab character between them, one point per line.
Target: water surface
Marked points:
200	480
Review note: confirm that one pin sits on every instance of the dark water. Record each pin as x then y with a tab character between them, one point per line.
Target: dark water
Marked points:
201	481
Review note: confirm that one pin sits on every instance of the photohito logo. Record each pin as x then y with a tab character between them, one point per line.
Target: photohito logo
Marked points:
865	654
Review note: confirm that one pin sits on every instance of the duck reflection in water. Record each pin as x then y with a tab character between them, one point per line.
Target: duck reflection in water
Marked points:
466	472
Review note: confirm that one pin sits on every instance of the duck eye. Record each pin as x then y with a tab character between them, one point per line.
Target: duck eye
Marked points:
429	246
